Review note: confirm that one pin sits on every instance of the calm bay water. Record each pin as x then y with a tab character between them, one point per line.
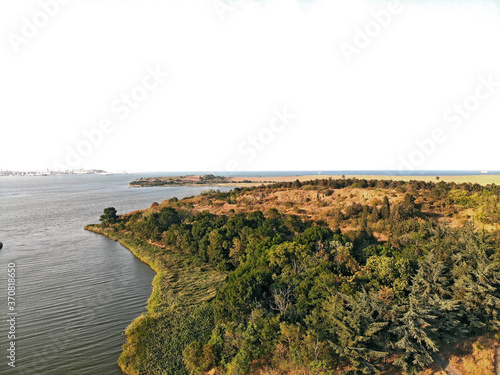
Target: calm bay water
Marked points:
76	291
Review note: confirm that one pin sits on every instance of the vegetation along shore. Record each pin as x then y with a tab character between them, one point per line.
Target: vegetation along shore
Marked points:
318	276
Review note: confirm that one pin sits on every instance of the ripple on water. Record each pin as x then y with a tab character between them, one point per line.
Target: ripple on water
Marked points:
76	291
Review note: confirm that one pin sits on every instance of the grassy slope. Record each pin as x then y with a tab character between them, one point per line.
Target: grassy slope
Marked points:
179	279
311	204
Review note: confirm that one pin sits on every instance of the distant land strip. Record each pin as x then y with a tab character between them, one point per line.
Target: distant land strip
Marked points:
212	180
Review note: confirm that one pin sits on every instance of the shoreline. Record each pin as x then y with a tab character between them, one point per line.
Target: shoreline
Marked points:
250	181
146	259
175	273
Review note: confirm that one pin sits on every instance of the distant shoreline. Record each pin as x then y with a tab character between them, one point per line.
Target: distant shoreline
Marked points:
249	181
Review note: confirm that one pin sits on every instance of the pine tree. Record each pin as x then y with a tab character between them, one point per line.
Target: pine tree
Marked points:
352	322
431	288
385	211
411	342
477	280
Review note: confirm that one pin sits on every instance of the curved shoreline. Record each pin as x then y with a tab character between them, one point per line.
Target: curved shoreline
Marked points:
179	278
147	259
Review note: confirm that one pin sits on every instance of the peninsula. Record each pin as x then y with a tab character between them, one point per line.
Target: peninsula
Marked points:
319	276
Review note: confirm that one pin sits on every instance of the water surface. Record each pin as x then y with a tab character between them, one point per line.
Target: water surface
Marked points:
76	291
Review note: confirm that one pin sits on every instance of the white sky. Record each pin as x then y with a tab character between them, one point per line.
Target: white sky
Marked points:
230	71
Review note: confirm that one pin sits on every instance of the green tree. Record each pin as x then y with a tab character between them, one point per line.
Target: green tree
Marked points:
411	341
405	209
290	257
109	216
352	321
477	280
256	343
385	211
431	287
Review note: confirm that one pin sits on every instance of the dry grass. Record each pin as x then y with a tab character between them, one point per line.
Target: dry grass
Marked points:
476	357
311	203
472	357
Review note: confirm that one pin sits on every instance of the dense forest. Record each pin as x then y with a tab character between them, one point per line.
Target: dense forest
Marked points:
321	277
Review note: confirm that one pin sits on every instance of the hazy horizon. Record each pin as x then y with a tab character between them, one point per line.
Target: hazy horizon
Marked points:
388	172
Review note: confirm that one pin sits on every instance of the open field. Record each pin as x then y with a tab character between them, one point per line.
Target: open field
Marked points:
479	179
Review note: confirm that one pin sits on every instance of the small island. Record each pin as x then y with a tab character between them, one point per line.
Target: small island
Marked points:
196	180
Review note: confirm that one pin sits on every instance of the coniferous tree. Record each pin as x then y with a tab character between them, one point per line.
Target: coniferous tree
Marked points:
356	330
411	342
385	211
477	280
431	288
